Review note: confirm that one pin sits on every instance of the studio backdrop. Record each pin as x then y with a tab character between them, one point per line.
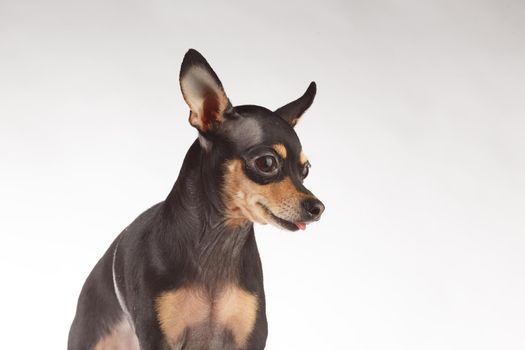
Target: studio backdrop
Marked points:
416	141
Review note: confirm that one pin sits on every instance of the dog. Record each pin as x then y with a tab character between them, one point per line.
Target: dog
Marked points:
186	274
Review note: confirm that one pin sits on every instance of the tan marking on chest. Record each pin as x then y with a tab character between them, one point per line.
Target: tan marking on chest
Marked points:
236	310
121	337
177	310
232	309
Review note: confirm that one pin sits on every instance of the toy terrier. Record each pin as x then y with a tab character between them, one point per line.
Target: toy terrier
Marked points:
186	274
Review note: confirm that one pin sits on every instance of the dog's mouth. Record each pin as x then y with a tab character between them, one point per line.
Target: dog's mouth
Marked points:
291	226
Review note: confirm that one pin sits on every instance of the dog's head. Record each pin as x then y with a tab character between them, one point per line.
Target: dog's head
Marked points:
263	165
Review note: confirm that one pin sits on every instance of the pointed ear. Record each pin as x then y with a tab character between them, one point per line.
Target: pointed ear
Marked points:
202	91
295	109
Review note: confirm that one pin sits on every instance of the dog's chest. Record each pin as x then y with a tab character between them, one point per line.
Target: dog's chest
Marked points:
192	318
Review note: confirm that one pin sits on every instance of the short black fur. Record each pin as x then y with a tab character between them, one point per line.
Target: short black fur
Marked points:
186	239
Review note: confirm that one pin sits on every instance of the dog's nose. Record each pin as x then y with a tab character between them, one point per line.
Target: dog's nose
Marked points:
313	208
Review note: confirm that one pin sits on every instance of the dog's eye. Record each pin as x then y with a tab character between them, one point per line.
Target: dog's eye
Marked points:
305	170
266	164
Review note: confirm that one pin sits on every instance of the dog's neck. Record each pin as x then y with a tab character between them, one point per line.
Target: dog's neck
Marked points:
194	219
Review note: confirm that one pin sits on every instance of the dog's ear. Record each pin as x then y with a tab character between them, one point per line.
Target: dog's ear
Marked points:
202	91
295	109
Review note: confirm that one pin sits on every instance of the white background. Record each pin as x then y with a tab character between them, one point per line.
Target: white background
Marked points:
416	139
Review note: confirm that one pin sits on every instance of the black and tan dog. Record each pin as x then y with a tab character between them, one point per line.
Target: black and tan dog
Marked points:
186	273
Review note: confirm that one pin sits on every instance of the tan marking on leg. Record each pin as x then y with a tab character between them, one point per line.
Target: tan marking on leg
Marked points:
302	158
177	310
122	337
281	150
236	310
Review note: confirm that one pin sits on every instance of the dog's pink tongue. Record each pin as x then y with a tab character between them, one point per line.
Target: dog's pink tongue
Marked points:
301	226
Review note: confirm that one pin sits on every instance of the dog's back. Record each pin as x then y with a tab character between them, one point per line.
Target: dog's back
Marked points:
100	321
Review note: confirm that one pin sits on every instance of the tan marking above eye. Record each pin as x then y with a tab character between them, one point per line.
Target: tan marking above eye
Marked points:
302	158
281	150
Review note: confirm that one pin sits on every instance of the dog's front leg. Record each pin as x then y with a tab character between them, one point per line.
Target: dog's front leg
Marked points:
149	334
147	329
